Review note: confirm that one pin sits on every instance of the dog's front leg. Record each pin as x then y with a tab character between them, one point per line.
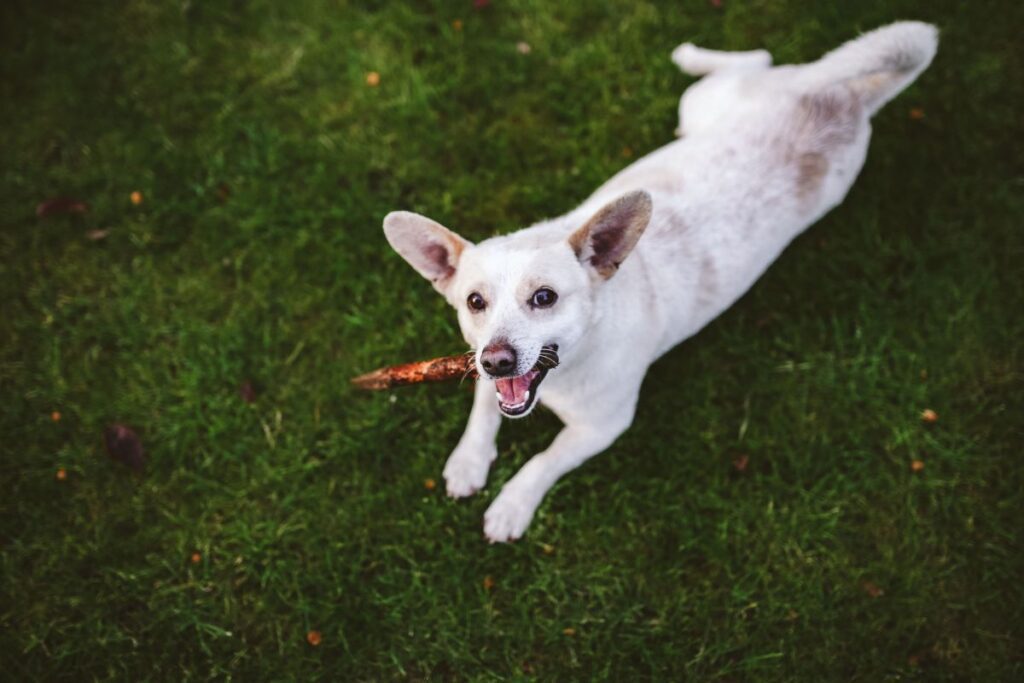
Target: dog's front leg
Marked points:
465	473
510	513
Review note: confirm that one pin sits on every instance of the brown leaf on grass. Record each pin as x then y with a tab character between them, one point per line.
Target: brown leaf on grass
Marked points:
136	197
124	446
55	416
929	416
314	638
96	235
429	484
740	462
872	589
488	583
917	465
373	79
59	206
223	192
62	474
196	558
570	631
916	113
247	391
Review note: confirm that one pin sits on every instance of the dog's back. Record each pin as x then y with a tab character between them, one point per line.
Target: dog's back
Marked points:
764	153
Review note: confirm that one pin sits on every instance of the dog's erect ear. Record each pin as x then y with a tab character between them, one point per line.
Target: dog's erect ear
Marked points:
608	237
429	247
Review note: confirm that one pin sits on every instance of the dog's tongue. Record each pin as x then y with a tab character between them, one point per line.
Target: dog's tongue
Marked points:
514	390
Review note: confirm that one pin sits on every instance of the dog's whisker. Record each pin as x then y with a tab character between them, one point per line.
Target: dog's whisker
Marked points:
470	367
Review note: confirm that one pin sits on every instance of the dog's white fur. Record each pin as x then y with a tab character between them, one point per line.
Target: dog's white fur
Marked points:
764	152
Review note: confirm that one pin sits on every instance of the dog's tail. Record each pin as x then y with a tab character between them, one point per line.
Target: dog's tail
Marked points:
880	63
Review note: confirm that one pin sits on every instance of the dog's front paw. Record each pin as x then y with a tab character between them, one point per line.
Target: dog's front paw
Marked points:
464	475
508	517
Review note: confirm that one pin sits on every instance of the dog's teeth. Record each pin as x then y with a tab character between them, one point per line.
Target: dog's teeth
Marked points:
498	394
526	397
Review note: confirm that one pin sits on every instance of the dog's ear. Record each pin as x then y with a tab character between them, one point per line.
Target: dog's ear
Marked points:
605	241
429	247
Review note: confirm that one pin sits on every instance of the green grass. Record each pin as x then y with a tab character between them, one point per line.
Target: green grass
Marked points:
266	166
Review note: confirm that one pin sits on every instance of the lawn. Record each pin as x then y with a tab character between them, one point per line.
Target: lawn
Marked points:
779	509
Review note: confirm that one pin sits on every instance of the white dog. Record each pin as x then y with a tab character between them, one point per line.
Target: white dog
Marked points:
764	152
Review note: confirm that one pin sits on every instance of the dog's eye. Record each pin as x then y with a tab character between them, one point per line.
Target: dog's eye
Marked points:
543	298
476	302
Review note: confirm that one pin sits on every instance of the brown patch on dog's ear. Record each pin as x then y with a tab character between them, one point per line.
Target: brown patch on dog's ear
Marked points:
605	241
429	247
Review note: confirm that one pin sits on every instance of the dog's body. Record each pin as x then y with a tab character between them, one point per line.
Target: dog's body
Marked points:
764	153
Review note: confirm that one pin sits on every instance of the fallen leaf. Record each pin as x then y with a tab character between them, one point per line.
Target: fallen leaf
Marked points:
196	558
61	205
96	235
373	79
548	549
314	638
792	615
55	416
136	197
570	631
62	474
480	4
488	583
223	192
917	465
124	446
872	589
928	415
740	462
247	391
523	48
457	24
916	114
627	152
429	484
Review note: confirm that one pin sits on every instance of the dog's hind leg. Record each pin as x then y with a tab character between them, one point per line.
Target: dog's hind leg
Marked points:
877	65
704	104
698	61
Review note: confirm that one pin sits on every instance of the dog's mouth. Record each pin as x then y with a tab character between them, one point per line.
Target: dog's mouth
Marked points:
516	395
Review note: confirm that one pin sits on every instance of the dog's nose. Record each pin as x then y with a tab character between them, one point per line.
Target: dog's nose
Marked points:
499	359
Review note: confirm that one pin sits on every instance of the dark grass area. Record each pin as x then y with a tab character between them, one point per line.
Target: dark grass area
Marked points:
266	165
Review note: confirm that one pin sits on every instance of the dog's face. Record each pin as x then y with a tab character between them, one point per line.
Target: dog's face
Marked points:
524	300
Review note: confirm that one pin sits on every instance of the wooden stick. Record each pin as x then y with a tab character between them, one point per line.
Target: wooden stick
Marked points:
434	370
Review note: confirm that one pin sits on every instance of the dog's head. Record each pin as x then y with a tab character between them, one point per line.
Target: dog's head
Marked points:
524	300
